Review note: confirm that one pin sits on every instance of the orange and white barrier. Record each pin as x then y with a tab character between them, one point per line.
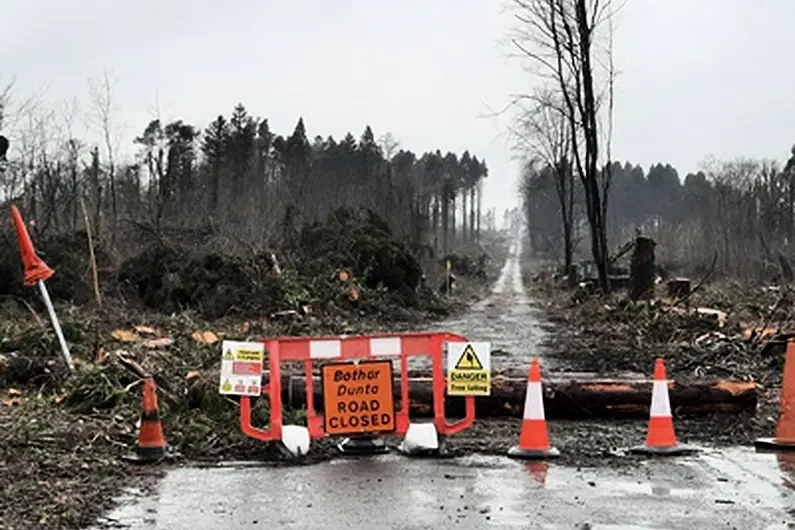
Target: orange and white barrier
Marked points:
534	437
357	386
661	437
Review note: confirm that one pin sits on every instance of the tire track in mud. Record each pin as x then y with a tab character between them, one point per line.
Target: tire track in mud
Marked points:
507	318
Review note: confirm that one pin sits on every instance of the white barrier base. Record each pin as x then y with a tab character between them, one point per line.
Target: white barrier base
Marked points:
296	439
420	438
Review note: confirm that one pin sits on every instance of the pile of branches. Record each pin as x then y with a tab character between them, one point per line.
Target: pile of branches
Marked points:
726	330
168	275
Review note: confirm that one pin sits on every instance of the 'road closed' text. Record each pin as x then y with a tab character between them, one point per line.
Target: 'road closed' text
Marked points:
358	398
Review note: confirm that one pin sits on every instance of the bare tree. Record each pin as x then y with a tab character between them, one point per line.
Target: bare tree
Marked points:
543	134
389	145
101	91
558	40
5	96
73	153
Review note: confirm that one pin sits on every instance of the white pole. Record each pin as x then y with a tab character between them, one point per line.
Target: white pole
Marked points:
56	325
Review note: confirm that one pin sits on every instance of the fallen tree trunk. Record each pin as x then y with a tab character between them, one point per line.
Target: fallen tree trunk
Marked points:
563	399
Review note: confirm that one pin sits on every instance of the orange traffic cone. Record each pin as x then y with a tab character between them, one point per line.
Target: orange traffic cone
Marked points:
785	431
151	443
35	268
534	438
661	438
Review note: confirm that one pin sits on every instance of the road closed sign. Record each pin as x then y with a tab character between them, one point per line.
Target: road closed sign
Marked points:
358	398
468	369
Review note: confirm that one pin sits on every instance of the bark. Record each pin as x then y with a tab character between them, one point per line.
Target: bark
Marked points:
563	399
641	281
464	232
472	212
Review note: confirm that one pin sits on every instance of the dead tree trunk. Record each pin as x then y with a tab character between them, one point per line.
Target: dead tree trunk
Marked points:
641	272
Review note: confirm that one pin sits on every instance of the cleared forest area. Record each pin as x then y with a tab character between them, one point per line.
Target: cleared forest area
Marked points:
228	232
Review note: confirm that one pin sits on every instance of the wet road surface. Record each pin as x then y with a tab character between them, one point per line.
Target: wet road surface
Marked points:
507	318
735	488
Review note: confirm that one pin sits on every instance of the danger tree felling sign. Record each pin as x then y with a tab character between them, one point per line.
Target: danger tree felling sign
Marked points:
469	368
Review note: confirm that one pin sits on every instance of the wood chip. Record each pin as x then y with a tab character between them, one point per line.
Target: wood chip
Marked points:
205	337
124	335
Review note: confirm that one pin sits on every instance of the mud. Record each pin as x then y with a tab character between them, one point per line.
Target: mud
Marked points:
508	319
717	489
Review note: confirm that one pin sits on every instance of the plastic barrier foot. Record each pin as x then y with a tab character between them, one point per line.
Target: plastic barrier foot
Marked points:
421	439
533	454
295	439
362	445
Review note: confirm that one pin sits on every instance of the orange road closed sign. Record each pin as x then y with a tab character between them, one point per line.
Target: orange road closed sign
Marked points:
358	398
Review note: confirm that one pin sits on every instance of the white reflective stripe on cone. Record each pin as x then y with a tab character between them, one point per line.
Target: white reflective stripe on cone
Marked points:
325	349
385	346
534	402
660	405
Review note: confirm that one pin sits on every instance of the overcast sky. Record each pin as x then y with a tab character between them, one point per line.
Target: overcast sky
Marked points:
698	77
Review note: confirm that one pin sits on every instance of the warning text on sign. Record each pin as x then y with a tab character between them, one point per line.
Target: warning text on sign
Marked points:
469	383
358	398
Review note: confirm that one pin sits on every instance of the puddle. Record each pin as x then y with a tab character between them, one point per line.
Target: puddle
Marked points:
771	477
731	489
485	461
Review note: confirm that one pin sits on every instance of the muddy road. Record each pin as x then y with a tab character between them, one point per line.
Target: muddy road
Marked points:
507	319
719	489
593	485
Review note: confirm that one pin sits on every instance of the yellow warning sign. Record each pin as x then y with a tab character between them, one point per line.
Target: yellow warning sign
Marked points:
241	362
469	369
248	355
468	360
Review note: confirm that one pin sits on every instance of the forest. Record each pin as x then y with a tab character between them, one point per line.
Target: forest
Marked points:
237	176
233	188
742	210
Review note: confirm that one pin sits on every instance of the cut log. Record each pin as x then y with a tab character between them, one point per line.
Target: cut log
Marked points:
563	399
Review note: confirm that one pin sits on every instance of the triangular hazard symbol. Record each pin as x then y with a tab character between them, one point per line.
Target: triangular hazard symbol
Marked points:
228	355
227	386
469	360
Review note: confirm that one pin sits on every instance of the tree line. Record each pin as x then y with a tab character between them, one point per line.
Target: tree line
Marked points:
736	216
239	179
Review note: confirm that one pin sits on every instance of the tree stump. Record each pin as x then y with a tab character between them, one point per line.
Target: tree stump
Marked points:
572	276
641	269
678	287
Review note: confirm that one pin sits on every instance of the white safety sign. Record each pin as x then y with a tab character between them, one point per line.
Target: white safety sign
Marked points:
241	368
468	368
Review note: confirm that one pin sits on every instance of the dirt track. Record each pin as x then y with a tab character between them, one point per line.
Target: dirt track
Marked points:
507	319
